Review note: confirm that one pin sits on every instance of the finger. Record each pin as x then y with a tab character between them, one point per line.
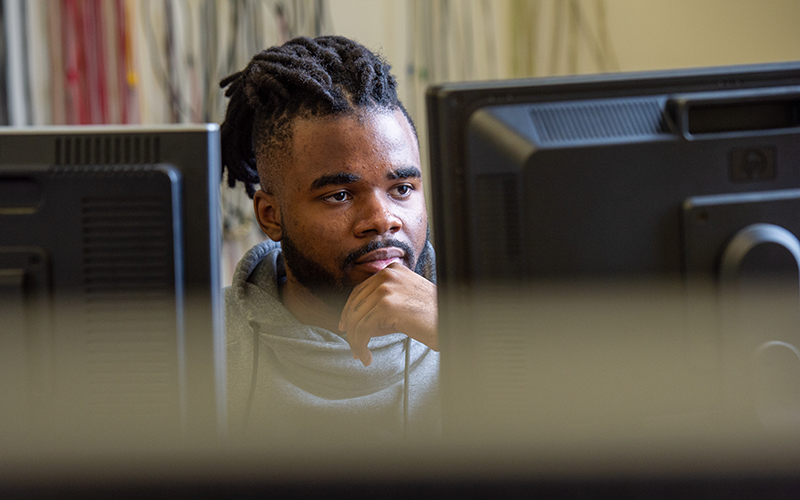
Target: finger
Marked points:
364	296
392	276
358	307
359	337
360	344
376	320
357	296
380	320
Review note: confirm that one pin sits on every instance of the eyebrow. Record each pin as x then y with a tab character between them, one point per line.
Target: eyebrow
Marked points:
333	179
347	178
405	173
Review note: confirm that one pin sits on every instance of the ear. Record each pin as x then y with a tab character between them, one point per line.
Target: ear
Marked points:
268	214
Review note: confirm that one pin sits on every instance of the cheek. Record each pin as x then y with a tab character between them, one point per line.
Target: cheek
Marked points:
419	216
418	229
332	229
321	235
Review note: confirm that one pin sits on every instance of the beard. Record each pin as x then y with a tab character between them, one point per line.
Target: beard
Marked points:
333	288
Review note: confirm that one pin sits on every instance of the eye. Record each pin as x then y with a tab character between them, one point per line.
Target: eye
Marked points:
402	190
338	197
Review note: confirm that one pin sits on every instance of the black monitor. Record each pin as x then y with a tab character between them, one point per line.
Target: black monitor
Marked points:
112	321
586	228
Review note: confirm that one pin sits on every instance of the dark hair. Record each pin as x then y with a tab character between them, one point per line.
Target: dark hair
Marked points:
302	78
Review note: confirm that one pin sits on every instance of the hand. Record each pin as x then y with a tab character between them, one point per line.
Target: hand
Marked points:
395	299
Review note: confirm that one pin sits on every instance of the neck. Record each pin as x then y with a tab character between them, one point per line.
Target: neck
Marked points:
308	308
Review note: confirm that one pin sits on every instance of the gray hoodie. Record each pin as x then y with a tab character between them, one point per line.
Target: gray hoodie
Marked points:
290	381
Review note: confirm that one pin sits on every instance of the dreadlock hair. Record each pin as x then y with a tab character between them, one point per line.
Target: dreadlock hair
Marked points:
302	78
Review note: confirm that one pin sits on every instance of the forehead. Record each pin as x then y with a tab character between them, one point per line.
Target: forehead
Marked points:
363	143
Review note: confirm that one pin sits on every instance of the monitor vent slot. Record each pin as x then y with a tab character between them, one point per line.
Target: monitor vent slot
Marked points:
106	149
129	307
120	172
497	226
593	121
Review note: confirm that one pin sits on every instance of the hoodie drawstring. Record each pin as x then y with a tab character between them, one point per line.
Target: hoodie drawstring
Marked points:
251	396
405	388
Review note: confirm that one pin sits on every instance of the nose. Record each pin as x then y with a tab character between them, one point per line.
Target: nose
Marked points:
376	216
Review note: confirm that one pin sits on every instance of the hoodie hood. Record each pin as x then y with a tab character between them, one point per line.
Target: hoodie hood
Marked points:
297	377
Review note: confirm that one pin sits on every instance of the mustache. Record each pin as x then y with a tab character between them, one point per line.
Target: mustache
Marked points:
353	256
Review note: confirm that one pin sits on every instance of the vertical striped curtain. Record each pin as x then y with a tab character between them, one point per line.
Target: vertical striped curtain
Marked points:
82	62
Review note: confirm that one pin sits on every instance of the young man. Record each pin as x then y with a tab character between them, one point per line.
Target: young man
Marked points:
332	323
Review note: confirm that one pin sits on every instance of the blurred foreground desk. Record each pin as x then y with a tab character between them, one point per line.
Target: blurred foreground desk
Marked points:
690	467
559	392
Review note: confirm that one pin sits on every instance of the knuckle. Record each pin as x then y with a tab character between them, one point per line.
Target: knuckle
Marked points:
384	289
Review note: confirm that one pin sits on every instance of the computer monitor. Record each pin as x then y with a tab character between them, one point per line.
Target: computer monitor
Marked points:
112	320
564	207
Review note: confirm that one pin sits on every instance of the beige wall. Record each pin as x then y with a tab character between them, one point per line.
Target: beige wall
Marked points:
655	34
645	34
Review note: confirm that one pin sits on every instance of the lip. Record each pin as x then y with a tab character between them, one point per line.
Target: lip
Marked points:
381	254
378	259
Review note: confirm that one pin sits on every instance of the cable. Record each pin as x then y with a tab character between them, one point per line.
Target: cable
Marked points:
187	62
406	389
166	76
170	73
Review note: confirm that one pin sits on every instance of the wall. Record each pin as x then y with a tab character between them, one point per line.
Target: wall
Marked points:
656	34
644	34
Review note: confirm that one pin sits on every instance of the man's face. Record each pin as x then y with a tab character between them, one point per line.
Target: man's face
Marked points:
351	200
